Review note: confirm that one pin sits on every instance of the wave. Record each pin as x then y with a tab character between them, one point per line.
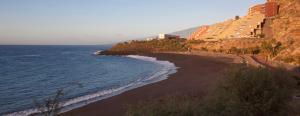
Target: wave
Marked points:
168	69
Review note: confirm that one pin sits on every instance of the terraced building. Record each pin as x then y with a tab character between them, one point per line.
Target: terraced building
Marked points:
249	26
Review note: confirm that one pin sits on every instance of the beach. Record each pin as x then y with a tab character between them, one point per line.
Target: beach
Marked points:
196	73
150	58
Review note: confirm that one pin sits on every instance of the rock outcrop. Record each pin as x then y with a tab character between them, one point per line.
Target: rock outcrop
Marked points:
286	29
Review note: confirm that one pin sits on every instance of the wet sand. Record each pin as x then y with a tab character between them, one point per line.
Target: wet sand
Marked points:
196	73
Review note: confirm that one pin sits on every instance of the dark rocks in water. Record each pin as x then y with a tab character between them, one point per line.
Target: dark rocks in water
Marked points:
98	53
107	52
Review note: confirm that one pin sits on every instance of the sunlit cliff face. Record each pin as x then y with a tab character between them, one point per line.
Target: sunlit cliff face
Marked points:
249	26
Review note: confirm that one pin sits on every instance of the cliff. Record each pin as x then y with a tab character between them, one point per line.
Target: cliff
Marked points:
140	47
275	23
286	29
271	30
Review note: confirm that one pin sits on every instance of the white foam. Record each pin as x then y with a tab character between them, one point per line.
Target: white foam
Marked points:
168	68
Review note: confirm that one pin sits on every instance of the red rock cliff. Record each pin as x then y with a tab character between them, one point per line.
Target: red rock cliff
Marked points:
285	27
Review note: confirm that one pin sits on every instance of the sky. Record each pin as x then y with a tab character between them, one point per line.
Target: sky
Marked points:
94	22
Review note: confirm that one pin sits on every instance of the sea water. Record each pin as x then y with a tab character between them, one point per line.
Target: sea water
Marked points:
34	73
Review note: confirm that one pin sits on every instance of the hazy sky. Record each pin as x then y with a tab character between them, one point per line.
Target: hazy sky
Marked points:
107	21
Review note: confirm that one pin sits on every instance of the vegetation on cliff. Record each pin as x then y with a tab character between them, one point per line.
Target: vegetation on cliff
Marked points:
272	49
134	47
286	29
235	46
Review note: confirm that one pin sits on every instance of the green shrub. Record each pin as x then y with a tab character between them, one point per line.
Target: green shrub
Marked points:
272	47
249	91
165	45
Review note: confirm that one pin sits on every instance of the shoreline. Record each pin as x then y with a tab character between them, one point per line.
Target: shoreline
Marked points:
197	73
167	68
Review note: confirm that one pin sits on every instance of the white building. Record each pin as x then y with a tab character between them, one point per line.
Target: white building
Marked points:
167	36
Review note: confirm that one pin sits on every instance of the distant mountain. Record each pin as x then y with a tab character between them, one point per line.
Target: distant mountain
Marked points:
185	33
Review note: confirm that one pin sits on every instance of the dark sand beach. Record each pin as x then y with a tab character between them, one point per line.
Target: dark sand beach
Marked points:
196	74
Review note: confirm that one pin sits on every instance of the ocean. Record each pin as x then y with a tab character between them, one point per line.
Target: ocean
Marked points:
30	74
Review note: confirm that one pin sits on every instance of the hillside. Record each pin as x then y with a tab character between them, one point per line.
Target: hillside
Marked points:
273	27
140	47
286	29
271	30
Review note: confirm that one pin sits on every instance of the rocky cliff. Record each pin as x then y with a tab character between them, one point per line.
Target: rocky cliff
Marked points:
286	29
280	25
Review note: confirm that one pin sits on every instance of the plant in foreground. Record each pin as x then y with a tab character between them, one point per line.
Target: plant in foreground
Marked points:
51	106
249	91
244	91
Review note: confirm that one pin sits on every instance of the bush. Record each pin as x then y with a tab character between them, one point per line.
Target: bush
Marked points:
249	91
272	48
245	91
165	45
